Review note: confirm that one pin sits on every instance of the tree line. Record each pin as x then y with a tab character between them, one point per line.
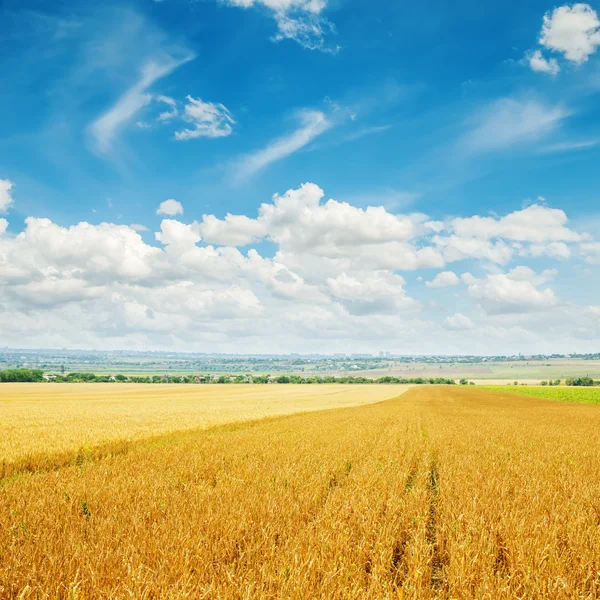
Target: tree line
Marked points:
36	375
14	375
574	381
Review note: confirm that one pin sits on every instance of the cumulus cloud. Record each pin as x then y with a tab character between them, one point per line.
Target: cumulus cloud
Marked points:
207	119
513	292
170	208
312	234
443	279
591	251
454	248
3	226
572	30
331	272
459	322
379	293
6	200
538	62
536	223
233	230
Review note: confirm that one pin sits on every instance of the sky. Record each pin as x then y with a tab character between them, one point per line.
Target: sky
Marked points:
277	176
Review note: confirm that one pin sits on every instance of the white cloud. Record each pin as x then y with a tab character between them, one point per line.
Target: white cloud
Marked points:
105	129
536	223
539	63
331	280
312	124
591	251
96	252
510	121
379	293
570	146
3	226
455	248
168	114
178	236
558	250
298	20
234	230
52	291
512	292
443	279
6	200
459	322
299	222
170	208
139	228
308	29
574	31
207	119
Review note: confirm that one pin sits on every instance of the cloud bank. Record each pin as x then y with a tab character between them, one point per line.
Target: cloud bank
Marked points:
337	278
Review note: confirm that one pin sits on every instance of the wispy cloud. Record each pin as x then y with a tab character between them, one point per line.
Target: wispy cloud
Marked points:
299	20
207	119
509	121
313	123
172	112
356	135
105	129
570	146
307	29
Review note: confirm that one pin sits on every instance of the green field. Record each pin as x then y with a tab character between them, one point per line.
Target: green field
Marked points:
585	395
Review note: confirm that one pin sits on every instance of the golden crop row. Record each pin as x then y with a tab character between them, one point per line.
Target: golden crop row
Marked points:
441	493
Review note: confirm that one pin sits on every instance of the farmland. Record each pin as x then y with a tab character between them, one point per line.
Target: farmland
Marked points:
441	492
584	395
39	420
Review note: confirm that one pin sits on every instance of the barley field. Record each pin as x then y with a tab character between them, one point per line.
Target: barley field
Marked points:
441	492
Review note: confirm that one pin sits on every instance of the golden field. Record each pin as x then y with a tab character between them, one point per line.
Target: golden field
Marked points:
39	419
443	492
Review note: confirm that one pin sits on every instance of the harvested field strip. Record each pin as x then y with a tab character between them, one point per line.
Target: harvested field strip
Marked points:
441	493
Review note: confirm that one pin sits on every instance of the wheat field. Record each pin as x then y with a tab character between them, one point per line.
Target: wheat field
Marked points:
38	420
441	492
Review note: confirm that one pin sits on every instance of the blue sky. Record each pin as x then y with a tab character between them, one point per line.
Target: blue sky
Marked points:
426	113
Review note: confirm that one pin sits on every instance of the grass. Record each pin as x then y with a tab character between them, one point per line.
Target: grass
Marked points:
56	418
584	395
444	492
